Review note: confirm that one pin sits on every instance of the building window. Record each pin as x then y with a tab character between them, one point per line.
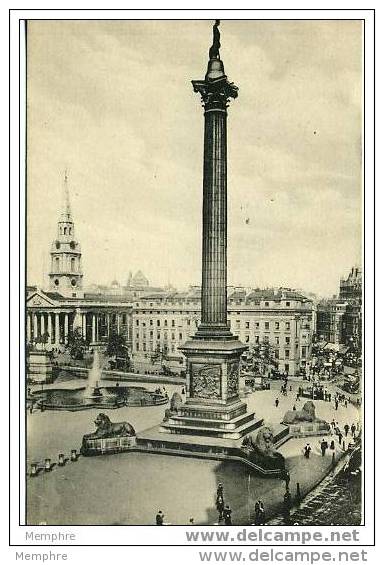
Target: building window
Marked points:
288	340
72	263
288	304
158	336
257	325
165	323
151	322
303	351
257	339
277	325
266	325
287	353
267	304
158	323
247	339
237	324
247	325
180	336
137	322
277	341
287	326
173	323
173	335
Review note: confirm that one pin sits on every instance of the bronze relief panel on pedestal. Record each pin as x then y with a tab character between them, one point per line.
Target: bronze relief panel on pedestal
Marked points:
232	379
205	380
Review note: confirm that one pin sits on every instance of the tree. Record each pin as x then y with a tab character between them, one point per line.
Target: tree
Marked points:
76	344
117	348
260	357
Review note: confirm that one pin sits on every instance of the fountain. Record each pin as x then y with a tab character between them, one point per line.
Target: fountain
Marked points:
93	390
95	396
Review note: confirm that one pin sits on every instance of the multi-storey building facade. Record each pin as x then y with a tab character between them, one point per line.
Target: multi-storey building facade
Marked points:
339	321
331	325
283	318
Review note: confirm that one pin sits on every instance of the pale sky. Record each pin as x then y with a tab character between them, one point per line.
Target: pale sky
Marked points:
112	101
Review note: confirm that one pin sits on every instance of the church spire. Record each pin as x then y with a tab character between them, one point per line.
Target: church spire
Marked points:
66	209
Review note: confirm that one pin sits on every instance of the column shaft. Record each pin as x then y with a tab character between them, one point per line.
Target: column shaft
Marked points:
57	329
214	263
93	328
49	328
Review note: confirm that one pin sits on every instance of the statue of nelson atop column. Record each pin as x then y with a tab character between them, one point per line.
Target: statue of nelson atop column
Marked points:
214	49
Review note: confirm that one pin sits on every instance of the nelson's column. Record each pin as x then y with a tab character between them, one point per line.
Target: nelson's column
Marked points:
212	406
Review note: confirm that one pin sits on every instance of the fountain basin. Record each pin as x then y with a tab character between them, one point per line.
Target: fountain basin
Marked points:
107	397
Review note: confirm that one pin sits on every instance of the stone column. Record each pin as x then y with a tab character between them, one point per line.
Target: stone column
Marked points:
35	327
57	329
29	331
42	323
66	327
84	325
49	328
215	96
93	328
118	323
108	321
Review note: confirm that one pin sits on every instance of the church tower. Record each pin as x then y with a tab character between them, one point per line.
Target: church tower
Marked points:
65	276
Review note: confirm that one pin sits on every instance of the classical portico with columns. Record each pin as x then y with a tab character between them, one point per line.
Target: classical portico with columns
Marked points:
57	317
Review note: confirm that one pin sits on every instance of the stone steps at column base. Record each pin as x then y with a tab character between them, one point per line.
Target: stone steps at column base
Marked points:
195	421
205	428
154	441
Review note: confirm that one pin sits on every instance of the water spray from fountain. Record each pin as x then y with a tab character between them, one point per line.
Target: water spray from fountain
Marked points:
94	376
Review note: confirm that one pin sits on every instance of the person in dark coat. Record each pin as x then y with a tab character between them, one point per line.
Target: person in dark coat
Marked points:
277	402
159	518
346	429
220	507
353	430
307	451
287	478
323	447
220	490
287	504
227	516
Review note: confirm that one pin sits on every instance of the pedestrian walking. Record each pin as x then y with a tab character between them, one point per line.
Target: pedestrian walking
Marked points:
287	504
277	402
323	447
287	478
227	515
353	430
336	404
307	451
261	513
346	429
159	518
220	507
220	490
333	423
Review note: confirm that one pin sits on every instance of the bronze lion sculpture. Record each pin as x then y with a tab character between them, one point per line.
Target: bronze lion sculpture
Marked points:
260	444
176	402
106	428
307	414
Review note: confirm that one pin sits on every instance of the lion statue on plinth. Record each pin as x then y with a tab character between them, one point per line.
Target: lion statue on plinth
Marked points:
307	414
260	448
106	428
176	402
